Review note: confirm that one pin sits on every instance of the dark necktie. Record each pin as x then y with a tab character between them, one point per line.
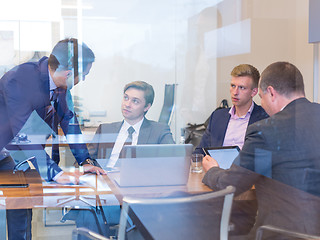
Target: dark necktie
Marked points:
51	119
53	95
123	152
130	132
51	109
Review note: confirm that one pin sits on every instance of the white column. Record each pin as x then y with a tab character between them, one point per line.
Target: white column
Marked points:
315	71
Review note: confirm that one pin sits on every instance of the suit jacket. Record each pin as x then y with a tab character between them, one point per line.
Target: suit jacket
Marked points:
25	89
281	157
151	132
218	124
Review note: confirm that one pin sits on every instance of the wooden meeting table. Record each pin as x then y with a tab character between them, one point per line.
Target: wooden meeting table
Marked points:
28	190
40	194
32	192
95	191
162	222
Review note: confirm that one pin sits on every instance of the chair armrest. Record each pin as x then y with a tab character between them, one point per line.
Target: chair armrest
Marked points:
87	233
282	231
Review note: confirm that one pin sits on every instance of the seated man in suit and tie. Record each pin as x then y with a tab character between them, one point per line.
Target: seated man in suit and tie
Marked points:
227	126
135	128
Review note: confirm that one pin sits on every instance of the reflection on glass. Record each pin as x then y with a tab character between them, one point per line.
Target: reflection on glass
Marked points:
190	44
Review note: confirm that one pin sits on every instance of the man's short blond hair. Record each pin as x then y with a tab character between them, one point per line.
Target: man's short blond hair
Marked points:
247	70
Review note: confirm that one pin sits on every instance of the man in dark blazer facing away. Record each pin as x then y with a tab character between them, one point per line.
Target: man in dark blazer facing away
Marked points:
227	126
137	99
280	155
42	87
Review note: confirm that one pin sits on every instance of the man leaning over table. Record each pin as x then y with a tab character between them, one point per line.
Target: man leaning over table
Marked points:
227	126
42	87
284	148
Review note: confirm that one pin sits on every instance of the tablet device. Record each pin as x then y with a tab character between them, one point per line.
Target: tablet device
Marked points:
223	155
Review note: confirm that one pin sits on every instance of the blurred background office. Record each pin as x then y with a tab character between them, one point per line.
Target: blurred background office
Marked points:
192	44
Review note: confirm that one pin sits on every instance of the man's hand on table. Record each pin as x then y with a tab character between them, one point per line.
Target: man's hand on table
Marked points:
74	177
69	177
208	162
93	169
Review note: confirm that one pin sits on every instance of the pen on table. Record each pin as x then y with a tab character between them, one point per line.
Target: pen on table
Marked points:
205	153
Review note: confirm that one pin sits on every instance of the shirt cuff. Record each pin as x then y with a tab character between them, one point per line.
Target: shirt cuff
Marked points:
57	176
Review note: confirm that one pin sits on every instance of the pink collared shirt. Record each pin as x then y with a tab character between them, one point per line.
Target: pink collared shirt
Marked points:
237	128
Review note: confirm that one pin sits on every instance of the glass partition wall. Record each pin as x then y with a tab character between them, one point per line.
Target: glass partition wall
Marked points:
190	44
193	44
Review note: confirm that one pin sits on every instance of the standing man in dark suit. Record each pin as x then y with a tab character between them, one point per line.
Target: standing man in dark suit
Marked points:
227	126
137	99
42	87
284	148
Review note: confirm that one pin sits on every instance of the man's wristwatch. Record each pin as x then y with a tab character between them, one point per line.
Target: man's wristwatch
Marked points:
88	161
92	162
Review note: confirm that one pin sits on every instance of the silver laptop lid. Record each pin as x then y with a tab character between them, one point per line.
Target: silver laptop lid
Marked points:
155	165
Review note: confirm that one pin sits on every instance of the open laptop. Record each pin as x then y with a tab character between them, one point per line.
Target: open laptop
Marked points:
225	156
155	165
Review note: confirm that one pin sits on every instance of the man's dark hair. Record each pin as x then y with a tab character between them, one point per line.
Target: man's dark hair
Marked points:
65	56
247	70
284	77
141	85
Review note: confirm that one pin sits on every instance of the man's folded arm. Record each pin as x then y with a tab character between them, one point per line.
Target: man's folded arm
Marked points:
217	178
166	136
53	169
241	174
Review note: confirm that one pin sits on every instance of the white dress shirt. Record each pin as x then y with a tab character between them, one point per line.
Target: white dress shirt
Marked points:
122	137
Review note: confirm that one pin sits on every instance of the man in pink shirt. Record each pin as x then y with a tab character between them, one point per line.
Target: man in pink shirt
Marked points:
227	126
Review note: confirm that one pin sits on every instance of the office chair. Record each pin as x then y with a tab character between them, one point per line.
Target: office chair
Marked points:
126	224
281	231
168	104
226	194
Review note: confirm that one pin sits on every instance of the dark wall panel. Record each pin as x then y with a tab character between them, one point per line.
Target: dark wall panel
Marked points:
314	21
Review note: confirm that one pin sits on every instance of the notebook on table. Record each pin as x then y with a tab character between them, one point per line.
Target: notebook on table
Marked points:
155	165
